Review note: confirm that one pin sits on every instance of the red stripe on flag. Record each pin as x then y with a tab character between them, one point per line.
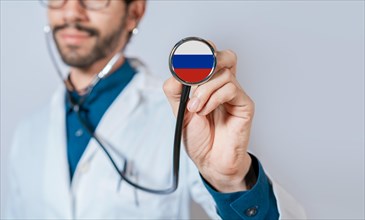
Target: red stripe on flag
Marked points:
192	75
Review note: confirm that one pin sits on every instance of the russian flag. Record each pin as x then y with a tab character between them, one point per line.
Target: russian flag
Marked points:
193	61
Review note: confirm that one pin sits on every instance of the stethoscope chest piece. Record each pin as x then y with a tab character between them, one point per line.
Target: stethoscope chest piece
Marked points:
192	61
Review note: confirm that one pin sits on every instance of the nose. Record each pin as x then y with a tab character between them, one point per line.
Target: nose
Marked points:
74	12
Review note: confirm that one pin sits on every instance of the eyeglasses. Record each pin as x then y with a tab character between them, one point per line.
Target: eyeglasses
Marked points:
87	4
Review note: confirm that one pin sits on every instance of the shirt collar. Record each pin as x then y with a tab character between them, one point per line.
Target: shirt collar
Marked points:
123	74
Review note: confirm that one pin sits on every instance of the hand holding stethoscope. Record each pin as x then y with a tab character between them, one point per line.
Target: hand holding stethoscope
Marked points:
217	124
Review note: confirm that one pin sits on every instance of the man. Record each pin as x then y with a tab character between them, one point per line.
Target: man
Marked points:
59	171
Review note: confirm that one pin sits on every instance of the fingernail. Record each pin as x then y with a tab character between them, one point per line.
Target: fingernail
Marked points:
193	104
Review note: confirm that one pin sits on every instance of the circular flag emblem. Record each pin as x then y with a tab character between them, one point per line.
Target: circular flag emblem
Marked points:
192	61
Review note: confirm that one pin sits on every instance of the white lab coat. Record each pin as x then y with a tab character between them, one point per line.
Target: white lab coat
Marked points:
140	125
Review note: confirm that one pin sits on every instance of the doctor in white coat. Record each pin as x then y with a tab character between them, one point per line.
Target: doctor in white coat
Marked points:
214	164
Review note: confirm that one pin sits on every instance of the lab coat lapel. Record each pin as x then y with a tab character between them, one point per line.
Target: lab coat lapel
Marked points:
119	111
56	174
113	118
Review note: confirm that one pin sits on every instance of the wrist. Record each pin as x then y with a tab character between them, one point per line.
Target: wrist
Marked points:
242	180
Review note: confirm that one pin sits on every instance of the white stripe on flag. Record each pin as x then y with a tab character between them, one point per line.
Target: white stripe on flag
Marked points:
193	47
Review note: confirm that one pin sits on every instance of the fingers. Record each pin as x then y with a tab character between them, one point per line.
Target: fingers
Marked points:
219	97
222	88
202	93
226	59
212	44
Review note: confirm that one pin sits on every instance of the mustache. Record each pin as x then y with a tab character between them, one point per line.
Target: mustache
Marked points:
77	26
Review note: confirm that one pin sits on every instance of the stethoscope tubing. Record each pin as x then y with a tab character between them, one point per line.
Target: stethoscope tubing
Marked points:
122	173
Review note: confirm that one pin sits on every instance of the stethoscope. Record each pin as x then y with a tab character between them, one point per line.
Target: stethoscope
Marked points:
192	61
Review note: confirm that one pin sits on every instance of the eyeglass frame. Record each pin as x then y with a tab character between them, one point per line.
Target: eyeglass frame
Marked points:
81	2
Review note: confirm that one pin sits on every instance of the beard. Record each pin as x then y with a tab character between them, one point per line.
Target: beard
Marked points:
101	49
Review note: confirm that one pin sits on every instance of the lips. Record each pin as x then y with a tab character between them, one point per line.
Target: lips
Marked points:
73	37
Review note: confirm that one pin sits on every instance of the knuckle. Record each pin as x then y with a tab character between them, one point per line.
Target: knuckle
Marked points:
216	100
231	90
167	87
249	115
220	65
232	87
232	54
250	109
252	104
200	92
225	75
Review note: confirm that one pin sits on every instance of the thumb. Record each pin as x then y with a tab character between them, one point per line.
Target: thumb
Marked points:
172	89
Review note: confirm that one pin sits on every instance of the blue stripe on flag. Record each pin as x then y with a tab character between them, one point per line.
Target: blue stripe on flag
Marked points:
199	61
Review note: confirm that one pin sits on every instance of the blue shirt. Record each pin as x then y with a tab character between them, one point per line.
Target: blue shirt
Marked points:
93	109
256	203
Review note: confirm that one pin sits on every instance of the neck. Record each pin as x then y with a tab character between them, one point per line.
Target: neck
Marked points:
82	77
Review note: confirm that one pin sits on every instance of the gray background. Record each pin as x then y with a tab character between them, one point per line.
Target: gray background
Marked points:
302	62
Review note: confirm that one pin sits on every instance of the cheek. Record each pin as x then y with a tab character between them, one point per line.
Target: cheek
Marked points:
105	20
54	17
106	24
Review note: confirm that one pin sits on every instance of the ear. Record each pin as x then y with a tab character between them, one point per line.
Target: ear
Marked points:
135	12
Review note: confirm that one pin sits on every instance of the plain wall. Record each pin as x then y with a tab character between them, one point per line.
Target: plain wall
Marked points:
302	62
